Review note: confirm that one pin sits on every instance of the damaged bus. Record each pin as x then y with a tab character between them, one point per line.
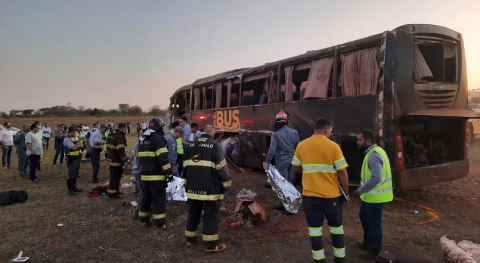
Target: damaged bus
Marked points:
409	85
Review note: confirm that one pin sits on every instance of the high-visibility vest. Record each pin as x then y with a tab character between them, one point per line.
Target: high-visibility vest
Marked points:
383	191
179	144
76	152
107	132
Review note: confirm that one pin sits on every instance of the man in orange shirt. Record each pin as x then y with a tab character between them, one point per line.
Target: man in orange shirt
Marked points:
322	164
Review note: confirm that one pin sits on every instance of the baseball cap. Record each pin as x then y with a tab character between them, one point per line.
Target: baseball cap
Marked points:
103	126
178	129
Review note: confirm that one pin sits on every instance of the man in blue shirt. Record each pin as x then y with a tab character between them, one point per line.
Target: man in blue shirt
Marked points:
96	144
172	148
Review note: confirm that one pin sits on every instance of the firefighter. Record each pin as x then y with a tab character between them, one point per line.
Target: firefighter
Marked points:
156	172
116	158
323	165
375	190
172	138
282	147
72	148
207	180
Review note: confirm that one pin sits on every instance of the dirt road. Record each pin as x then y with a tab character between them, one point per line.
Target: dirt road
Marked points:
92	233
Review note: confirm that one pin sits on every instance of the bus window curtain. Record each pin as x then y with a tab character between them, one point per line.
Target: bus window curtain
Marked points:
204	97
218	95
289	86
196	98
229	92
360	73
318	78
420	66
270	87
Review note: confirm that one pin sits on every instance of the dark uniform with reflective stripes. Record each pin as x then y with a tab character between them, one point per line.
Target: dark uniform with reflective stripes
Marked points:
207	175
153	155
116	157
74	158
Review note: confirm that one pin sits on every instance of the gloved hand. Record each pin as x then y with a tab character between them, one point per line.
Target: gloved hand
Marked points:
267	165
227	190
169	178
125	164
175	172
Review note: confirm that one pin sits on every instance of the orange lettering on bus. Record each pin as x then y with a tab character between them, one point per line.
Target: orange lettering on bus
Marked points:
226	119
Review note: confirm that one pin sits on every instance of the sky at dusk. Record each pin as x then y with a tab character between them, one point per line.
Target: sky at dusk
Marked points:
99	53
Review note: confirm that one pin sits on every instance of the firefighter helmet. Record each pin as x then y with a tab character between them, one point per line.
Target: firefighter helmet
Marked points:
156	123
282	117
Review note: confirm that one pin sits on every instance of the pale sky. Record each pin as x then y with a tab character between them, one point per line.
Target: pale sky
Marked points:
99	53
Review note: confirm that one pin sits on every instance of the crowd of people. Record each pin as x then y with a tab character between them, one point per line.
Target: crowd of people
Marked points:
195	156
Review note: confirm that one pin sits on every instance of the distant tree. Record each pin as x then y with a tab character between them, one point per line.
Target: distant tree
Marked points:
155	110
4	115
81	108
95	112
123	107
113	112
69	105
135	110
13	113
27	112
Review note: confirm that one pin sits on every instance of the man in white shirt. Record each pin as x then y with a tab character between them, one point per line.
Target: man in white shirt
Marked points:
85	129
6	141
144	126
34	150
46	131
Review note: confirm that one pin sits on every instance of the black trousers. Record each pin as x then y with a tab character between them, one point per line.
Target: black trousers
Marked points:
95	159
316	208
73	166
210	221
154	194
115	177
371	218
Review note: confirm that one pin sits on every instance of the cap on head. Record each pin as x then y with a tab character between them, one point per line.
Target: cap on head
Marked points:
72	127
282	117
178	129
103	126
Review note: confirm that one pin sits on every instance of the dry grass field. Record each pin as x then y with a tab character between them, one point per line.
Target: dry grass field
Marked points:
93	233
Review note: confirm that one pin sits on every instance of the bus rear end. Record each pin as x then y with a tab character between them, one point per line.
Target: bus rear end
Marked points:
431	106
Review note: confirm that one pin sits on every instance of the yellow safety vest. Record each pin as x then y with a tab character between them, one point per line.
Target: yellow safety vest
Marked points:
179	144
77	152
107	132
382	192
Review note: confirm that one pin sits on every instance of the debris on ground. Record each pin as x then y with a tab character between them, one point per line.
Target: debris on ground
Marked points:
133	203
249	213
60	224
454	253
112	209
245	194
98	190
19	258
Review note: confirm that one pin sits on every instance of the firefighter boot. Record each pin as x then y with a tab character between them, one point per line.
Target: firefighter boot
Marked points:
75	189
71	187
95	179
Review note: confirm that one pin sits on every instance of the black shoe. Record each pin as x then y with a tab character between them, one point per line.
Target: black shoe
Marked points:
72	192
78	177
78	190
95	181
279	207
135	216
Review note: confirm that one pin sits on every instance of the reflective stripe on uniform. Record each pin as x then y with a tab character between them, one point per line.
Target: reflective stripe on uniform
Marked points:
190	234
143	214
204	197
318	168
202	139
227	184
210	237
166	166
336	230
340	164
318	254
153	177
115	164
339	252
146	154
296	161
315	231
161	150
159	216
111	146
221	164
199	163
110	191
74	153
119	146
381	191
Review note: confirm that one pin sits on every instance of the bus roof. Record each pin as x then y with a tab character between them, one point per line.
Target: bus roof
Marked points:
311	55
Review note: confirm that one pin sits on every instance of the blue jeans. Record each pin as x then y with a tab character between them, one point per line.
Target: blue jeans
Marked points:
371	218
286	171
58	151
47	141
7	156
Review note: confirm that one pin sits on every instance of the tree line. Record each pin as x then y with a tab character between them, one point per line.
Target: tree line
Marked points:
68	110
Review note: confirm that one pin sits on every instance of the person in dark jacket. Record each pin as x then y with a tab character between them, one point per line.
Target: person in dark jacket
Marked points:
156	171
59	150
116	158
207	180
21	148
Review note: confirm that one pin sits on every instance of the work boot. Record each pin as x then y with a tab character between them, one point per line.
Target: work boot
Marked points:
71	187
135	216
218	248
95	177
